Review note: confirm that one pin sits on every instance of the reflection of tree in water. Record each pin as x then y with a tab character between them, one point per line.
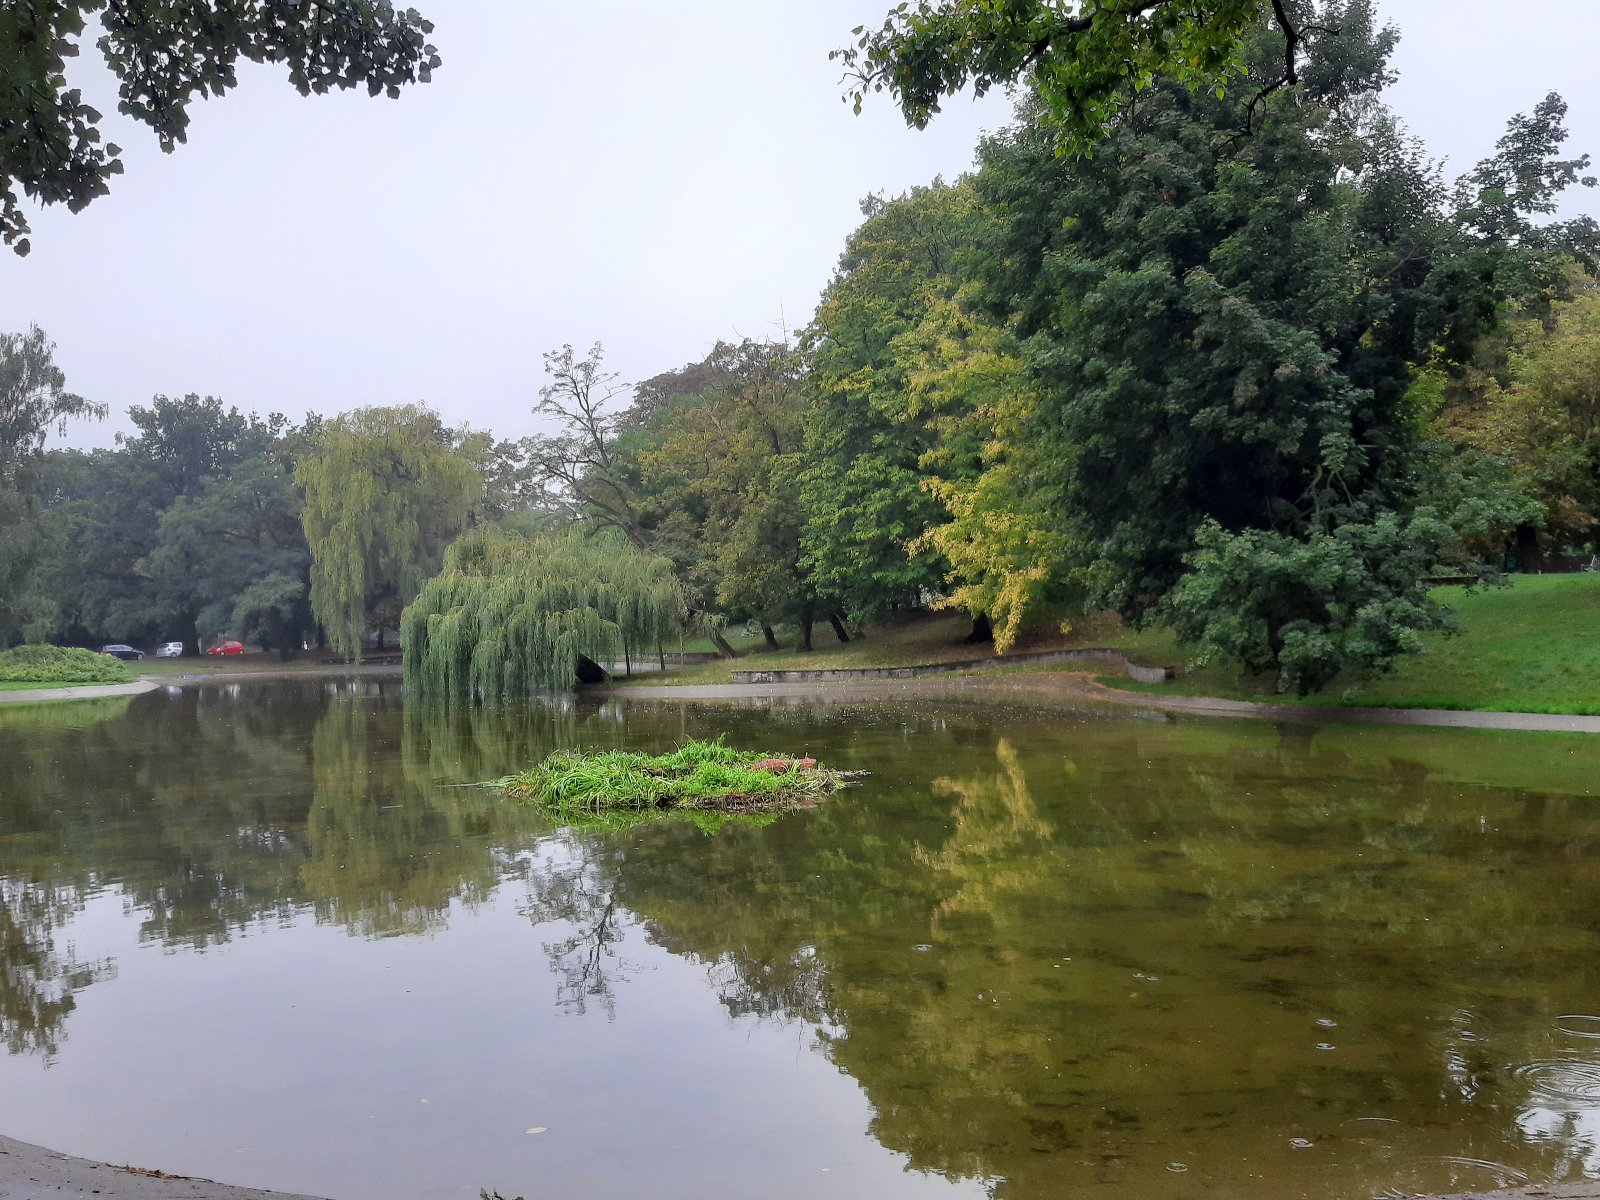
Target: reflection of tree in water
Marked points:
1041	954
995	821
220	808
1044	970
388	854
577	889
38	978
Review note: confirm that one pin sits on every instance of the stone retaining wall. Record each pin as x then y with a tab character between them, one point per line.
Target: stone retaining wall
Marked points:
1094	654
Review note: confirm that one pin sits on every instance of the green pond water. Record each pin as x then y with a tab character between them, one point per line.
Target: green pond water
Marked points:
261	933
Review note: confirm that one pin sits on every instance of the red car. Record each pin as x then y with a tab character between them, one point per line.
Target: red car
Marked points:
226	648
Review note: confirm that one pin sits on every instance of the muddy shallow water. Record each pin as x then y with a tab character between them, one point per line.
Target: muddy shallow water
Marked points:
259	932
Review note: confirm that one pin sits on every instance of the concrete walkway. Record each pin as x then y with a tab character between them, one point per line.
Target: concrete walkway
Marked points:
30	1172
1073	687
85	691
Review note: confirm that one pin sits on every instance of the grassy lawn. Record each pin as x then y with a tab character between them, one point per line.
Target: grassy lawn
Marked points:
1532	647
29	687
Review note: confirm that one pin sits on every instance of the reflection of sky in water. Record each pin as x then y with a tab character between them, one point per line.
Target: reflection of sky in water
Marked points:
1038	955
414	1067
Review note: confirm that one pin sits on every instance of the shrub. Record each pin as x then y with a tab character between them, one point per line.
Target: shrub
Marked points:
60	664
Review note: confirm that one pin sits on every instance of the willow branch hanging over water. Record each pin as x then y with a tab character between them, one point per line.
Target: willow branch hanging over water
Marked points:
510	615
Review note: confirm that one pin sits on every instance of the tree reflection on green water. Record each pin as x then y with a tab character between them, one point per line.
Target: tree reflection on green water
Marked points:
1052	950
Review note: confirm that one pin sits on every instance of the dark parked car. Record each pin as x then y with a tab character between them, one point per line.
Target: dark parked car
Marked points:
226	648
118	650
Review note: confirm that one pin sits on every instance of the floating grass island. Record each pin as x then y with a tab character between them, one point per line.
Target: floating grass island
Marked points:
699	779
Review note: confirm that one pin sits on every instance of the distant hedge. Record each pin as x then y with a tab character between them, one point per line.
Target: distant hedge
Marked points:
60	664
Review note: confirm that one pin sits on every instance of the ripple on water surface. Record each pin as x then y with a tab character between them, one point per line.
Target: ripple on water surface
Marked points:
1578	1025
1560	1081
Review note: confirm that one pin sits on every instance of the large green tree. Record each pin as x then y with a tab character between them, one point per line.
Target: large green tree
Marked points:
867	430
386	489
235	551
723	468
104	577
1223	332
1081	58
582	468
164	55
1545	421
509	615
33	401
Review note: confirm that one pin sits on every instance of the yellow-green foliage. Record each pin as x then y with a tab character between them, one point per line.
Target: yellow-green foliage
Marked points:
60	664
509	615
1003	553
385	492
1547	422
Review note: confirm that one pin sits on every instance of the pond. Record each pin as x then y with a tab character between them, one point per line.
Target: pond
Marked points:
261	933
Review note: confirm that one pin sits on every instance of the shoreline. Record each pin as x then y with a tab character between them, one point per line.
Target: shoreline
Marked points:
1067	687
1082	687
29	1172
77	691
150	683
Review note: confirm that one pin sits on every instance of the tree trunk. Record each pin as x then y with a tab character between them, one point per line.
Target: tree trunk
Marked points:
982	631
1530	555
772	638
721	643
379	646
589	671
661	656
805	630
838	627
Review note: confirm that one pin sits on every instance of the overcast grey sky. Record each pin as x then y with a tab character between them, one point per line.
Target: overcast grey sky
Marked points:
655	176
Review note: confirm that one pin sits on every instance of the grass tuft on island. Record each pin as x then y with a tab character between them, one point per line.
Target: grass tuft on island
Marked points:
700	777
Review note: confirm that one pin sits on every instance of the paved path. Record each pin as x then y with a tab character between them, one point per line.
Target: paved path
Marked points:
1073	687
30	1172
80	692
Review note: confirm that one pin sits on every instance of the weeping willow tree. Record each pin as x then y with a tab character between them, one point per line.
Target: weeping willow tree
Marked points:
386	491
509	615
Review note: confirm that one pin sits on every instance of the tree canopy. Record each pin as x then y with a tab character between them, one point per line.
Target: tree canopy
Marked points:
1081	59
33	401
386	490
164	55
509	615
1253	369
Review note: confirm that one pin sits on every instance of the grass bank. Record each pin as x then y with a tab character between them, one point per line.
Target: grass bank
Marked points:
1531	647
